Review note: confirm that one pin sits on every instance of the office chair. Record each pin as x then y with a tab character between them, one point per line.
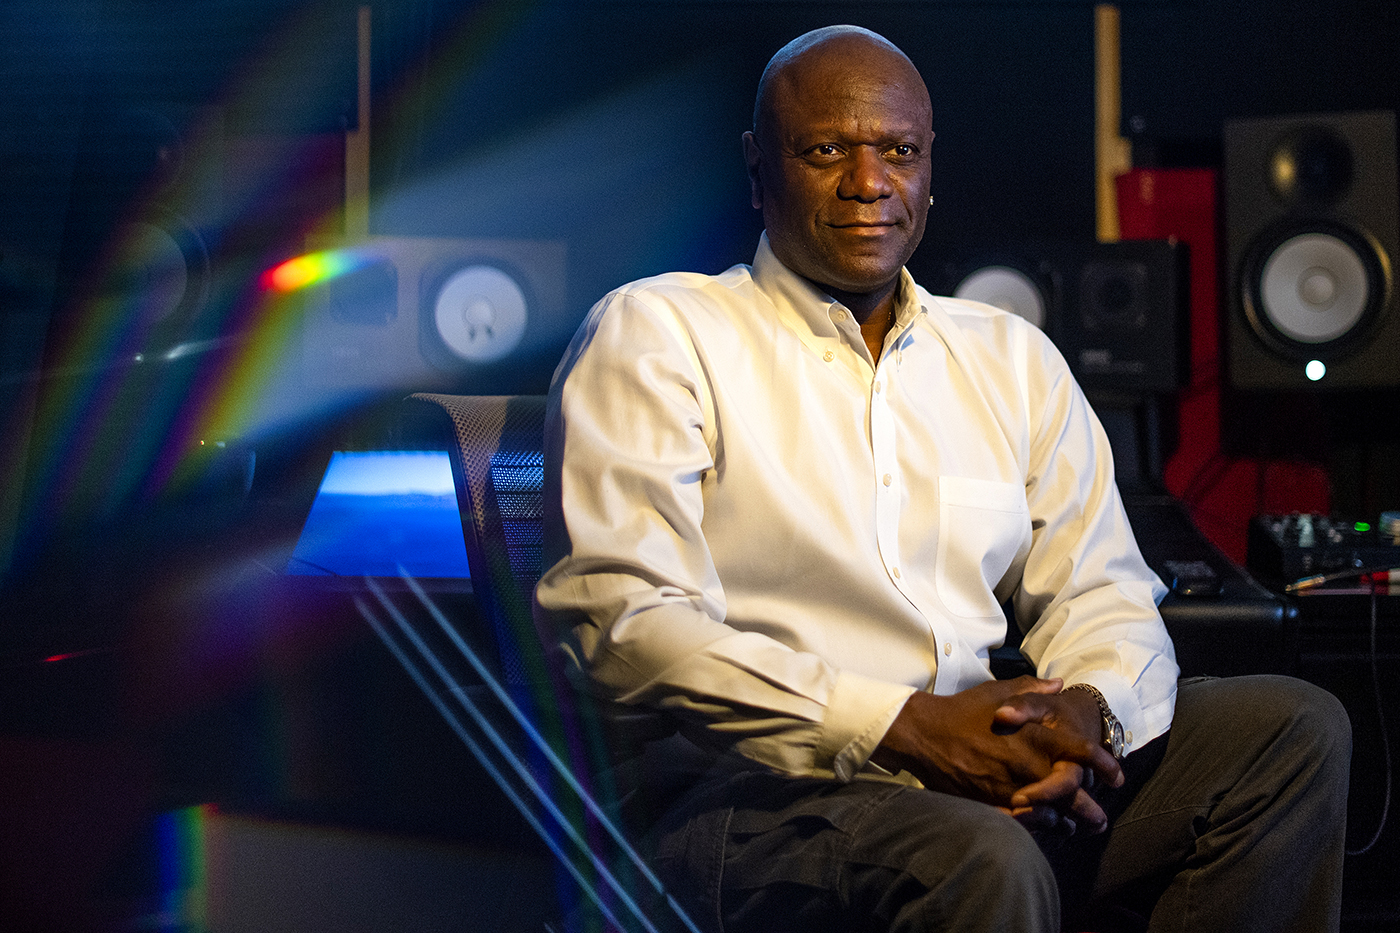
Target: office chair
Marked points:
492	679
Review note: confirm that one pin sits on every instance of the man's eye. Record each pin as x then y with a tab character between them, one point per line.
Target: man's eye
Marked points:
824	152
903	151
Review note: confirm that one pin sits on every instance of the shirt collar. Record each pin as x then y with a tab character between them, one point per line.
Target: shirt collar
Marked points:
798	299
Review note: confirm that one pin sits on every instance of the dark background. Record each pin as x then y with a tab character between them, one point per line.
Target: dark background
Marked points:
136	544
611	127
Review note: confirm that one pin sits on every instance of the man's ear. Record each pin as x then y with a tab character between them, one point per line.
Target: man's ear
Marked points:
753	156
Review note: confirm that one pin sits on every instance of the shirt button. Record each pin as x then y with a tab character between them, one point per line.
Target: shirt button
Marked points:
1130	737
877	388
895	571
828	356
888	479
947	647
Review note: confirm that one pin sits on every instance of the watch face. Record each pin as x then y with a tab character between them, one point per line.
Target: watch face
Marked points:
1115	737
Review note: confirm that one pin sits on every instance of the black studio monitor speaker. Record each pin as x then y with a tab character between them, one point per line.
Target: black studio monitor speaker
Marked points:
1117	311
146	191
445	314
1312	241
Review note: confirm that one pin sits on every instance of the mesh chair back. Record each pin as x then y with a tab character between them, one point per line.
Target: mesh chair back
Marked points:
498	467
547	762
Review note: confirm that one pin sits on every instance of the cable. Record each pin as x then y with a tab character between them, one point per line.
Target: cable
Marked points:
1381	574
1385	737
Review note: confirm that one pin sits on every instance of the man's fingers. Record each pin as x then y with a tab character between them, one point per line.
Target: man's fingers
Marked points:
1106	767
1061	784
1023	708
1056	798
1024	704
1088	813
1039	818
1028	684
1059	745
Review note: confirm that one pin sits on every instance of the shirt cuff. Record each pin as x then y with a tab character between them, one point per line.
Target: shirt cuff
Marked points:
858	715
1139	726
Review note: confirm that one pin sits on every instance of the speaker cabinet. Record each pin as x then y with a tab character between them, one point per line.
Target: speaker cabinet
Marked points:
146	191
1117	311
1311	240
422	313
1021	278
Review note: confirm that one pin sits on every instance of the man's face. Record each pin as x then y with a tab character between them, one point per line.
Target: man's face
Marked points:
840	165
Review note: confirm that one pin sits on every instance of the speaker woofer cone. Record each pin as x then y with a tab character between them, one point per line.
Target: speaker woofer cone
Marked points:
1315	291
1006	288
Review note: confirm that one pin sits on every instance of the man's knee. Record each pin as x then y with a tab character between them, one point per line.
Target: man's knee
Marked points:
1324	718
1283	731
913	858
1321	733
1290	711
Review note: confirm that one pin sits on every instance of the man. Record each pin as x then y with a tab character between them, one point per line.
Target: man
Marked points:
785	505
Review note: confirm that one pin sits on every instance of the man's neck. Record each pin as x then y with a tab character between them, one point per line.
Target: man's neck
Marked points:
874	328
874	311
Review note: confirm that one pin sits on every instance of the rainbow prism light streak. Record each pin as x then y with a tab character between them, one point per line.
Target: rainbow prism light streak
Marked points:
129	399
246	396
183	871
311	269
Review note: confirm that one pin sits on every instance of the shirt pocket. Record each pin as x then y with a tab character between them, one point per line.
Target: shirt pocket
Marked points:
982	526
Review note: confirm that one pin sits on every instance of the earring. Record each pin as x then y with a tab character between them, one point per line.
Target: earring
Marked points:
930	200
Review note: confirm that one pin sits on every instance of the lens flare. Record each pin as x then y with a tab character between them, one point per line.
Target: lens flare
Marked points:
181	850
301	271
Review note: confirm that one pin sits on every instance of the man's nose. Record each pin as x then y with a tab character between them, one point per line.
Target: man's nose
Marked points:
867	177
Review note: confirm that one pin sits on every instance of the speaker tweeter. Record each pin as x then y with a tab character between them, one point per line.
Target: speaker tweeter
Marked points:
478	314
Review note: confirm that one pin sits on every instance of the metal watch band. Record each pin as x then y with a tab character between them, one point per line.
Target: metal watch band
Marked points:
1098	697
1112	728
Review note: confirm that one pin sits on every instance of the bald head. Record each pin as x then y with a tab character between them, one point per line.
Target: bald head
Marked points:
845	46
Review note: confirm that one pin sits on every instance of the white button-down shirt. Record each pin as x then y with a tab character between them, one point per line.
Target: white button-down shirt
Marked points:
758	527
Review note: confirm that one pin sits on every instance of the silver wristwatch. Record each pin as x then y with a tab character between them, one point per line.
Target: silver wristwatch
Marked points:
1112	728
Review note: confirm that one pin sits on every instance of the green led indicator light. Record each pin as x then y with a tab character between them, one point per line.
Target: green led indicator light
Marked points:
1363	526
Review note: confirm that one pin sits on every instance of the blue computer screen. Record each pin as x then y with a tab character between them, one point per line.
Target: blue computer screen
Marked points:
378	511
